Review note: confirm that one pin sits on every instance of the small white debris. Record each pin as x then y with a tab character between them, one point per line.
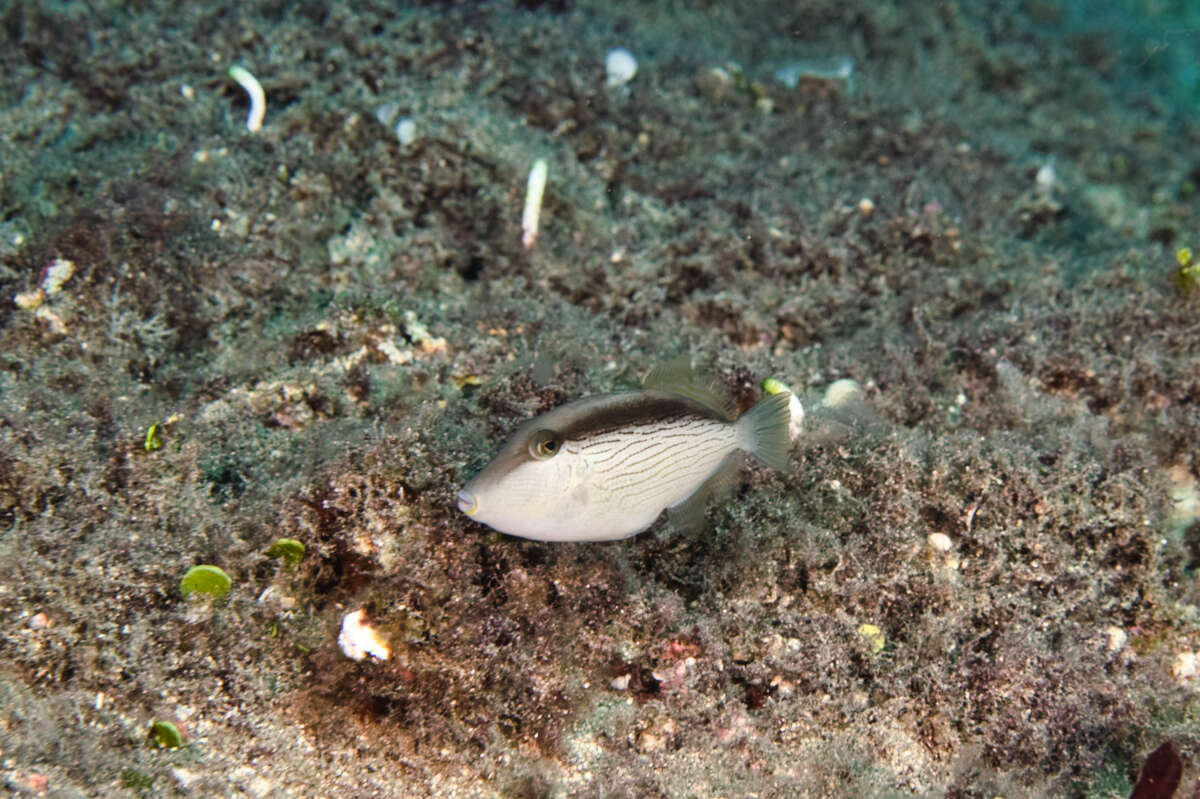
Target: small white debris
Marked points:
187	92
387	113
185	777
1185	666
1116	638
940	542
28	300
394	355
359	639
405	128
258	98
406	131
59	271
51	322
838	69
619	67
620	683
866	206
1046	179
535	187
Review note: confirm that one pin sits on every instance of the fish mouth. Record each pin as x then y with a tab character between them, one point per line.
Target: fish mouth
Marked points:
468	503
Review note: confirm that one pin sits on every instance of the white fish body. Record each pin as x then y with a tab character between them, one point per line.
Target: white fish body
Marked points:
605	467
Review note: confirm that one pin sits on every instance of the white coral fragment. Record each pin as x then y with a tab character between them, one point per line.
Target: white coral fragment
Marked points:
254	90
359	639
535	187
57	273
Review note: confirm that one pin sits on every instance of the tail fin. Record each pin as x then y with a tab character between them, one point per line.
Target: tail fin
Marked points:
763	430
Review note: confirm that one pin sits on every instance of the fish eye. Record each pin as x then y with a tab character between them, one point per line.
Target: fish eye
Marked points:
544	444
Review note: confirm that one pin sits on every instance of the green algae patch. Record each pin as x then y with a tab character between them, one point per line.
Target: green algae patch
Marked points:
165	735
154	438
206	579
289	550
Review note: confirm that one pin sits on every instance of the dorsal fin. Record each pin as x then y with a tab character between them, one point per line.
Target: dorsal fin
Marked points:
676	377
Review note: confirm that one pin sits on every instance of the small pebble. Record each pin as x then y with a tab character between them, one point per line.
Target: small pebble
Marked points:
715	83
1185	666
1046	178
406	131
1116	638
940	542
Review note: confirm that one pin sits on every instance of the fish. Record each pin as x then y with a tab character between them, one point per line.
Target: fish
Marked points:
605	467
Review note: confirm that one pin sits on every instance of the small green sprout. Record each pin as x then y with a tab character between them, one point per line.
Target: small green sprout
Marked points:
154	440
166	735
289	550
156	431
205	579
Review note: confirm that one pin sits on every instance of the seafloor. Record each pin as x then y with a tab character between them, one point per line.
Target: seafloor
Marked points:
990	593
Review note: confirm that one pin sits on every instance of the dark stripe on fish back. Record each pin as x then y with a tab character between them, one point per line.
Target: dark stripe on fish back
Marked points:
616	412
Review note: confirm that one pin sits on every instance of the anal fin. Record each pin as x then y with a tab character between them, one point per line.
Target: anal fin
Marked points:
688	513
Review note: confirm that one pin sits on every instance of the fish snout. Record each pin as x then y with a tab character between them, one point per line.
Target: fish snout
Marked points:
468	503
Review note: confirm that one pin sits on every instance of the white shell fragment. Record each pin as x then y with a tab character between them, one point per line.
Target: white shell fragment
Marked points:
28	300
940	542
359	639
1046	179
619	67
404	127
406	131
387	113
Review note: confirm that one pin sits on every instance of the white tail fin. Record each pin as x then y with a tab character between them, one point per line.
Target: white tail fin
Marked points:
763	430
